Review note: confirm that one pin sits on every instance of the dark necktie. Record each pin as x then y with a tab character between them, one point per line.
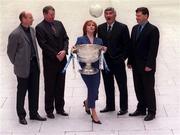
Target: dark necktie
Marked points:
138	31
109	32
109	29
52	27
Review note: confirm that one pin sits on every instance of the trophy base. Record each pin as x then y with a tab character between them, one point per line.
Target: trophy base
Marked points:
89	71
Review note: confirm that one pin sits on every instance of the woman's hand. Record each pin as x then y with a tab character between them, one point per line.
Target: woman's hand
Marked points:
74	49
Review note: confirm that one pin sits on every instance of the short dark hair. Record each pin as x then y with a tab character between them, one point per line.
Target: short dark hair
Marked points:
22	15
144	10
47	8
110	9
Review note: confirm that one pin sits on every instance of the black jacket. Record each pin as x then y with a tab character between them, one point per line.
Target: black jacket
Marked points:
50	42
117	41
144	48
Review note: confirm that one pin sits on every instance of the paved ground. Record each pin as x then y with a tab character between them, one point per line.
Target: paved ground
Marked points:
163	13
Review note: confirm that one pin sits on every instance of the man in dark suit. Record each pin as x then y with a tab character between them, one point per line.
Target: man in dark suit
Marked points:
53	40
23	54
142	59
115	36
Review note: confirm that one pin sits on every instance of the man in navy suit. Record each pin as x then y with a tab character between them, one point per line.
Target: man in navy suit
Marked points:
53	40
115	37
142	59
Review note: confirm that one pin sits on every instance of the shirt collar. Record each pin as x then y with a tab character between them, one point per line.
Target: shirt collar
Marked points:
143	24
25	28
110	25
50	23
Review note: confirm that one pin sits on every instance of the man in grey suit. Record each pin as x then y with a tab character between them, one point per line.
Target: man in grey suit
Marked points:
23	54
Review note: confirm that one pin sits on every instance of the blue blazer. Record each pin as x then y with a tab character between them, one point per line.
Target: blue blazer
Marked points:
85	40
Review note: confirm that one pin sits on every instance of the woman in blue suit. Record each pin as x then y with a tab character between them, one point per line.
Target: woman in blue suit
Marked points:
92	81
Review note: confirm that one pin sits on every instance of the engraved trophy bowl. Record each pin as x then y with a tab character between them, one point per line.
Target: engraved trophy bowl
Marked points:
88	54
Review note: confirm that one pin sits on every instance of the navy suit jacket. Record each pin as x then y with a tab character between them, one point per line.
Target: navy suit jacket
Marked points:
85	40
144	48
50	42
117	42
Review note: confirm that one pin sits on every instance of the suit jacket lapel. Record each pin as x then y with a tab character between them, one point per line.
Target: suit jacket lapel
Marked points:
113	28
108	34
87	40
134	37
143	31
104	30
24	34
112	32
33	39
49	30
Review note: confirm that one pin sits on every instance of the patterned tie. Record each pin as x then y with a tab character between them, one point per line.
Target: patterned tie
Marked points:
53	28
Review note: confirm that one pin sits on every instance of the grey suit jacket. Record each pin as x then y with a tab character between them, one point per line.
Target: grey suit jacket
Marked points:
19	51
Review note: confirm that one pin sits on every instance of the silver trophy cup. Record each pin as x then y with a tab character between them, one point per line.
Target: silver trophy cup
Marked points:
88	54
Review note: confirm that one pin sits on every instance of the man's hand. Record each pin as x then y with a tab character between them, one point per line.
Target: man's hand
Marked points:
104	48
60	56
129	66
147	69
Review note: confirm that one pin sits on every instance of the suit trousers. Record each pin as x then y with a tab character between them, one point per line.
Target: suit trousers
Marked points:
144	88
117	70
54	85
30	84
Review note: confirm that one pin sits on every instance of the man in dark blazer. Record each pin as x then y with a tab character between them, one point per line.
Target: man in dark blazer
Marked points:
23	54
142	60
115	36
53	40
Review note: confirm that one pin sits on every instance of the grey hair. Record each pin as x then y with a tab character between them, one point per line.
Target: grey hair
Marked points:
110	9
